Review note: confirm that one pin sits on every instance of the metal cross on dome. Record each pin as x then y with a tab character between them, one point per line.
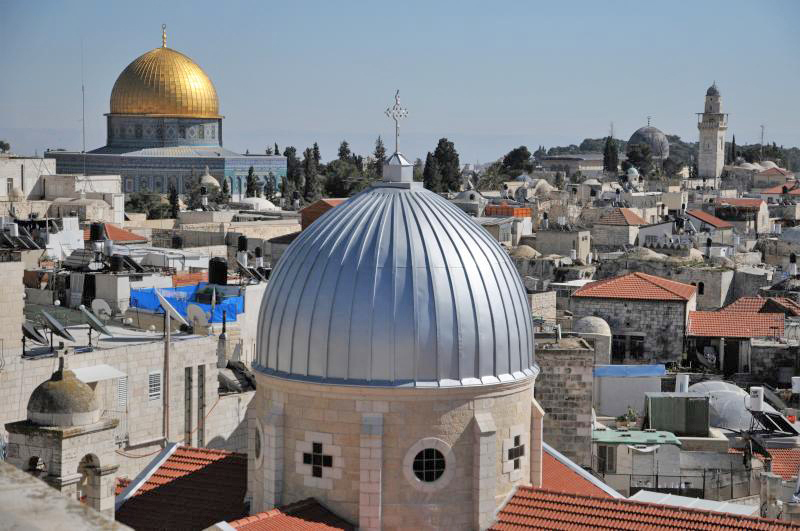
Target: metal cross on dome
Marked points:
396	113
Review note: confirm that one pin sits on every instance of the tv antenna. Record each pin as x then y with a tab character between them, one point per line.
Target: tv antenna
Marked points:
762	141
83	112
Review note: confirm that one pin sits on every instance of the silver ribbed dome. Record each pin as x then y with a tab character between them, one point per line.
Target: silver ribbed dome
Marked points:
394	287
654	138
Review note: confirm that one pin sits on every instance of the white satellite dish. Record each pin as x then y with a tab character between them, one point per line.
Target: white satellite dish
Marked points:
170	309
101	309
197	315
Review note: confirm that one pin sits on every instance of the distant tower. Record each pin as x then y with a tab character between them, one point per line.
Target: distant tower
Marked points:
712	124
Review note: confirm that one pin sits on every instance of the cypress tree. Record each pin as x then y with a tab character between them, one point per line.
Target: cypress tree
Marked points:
431	176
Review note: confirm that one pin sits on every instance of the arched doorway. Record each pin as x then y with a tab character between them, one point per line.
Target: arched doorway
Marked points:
88	489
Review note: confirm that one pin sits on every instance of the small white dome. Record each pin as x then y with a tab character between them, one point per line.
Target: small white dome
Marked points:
757	166
632	173
257	203
747	166
768	164
591	325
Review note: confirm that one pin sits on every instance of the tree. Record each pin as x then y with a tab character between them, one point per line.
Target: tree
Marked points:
559	180
380	157
448	165
269	150
344	151
149	203
224	193
610	156
539	153
276	150
431	176
342	178
174	206
311	191
640	157
251	184
517	161
5	147
418	169
294	172
269	187
317	156
732	160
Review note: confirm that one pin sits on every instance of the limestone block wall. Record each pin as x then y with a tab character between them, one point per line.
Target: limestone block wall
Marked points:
141	424
661	323
543	304
11	317
564	390
614	235
369	437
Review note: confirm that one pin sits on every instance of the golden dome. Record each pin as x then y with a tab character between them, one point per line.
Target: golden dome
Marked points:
164	82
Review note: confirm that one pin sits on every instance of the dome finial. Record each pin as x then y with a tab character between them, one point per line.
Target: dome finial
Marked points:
396	113
163	35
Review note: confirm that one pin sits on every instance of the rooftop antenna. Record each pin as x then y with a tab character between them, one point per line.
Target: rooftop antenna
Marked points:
762	142
83	111
648	120
396	113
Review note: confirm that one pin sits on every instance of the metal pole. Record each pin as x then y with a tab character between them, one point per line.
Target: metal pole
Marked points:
165	383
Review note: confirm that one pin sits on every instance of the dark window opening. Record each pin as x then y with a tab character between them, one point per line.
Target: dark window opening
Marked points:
317	459
429	465
517	452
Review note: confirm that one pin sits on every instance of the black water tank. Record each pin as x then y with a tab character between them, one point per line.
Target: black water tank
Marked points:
218	271
242	243
259	252
177	242
117	263
97	232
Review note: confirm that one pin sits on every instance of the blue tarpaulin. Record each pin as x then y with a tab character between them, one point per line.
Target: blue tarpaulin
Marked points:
629	371
182	297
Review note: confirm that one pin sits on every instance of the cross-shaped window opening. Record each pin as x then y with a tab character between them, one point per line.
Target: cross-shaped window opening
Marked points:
317	460
516	452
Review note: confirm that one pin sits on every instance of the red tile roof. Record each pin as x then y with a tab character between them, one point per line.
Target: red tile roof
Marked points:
621	216
785	461
760	304
557	476
709	219
532	508
637	286
193	489
735	324
117	234
744	202
792	188
307	514
776	171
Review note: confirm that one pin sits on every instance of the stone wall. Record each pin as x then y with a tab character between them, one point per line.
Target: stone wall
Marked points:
371	435
141	427
614	236
12	302
543	304
767	357
661	323
564	390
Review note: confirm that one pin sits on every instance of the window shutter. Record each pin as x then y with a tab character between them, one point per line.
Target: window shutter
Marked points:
122	393
154	385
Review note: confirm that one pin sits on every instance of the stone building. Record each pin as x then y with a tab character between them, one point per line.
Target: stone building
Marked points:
648	315
395	367
565	393
712	124
748	216
617	228
565	240
164	128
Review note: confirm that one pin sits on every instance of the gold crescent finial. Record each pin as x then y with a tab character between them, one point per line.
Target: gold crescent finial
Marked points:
163	35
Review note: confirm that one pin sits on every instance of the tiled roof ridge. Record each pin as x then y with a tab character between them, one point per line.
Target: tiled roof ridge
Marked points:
662	283
674	512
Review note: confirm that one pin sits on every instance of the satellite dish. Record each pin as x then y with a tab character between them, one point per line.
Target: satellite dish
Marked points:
29	331
101	309
56	327
197	315
170	309
93	322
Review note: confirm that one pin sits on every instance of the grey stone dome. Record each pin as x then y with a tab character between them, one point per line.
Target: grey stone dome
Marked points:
591	325
712	90
653	137
396	287
63	400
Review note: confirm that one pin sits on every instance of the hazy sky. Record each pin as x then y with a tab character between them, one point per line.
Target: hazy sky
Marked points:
488	75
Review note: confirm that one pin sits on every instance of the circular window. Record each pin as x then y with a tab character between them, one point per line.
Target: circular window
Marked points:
429	465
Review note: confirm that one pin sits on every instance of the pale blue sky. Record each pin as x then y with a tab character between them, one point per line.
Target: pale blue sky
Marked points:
488	75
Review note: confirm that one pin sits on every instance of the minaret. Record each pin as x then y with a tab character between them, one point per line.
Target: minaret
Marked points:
712	124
